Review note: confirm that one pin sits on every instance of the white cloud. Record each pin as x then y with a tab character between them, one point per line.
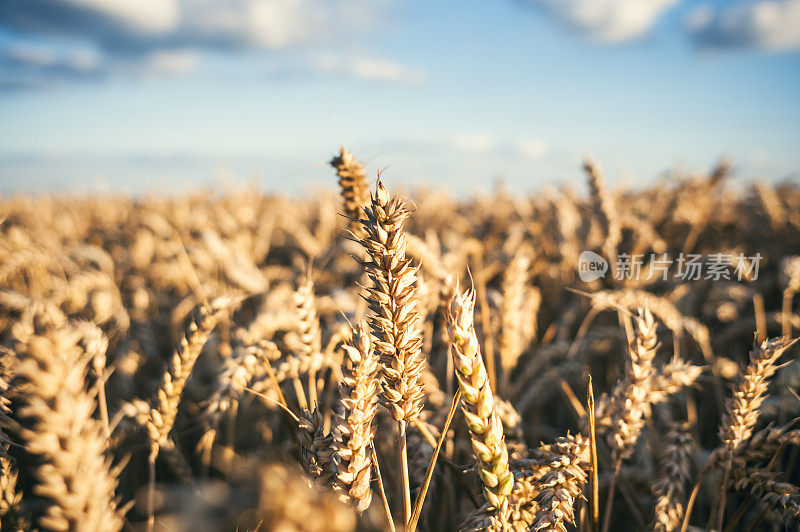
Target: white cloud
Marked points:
29	65
608	21
138	26
767	24
531	148
170	62
144	15
166	36
473	143
367	68
39	56
259	23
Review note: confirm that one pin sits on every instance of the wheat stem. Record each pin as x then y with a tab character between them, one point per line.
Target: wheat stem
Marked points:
594	482
420	501
386	510
405	487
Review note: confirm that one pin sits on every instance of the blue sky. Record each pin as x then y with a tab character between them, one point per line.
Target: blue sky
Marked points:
148	94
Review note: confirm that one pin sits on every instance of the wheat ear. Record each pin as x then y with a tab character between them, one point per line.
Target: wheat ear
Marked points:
394	318
513	337
743	408
239	371
603	208
562	484
10	498
393	301
485	427
355	429
96	345
53	419
670	486
159	415
782	498
308	328
630	403
316	447
633	405
164	407
353	184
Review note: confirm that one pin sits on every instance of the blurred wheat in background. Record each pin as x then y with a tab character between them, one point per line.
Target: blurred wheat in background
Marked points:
370	361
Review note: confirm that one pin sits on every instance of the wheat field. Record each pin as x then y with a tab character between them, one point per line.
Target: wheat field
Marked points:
369	360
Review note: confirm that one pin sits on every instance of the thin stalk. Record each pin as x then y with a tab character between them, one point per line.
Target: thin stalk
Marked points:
692	498
582	330
404	483
758	520
734	521
572	398
425	433
486	328
151	488
281	404
300	393
786	312
594	488
610	500
275	383
761	317
312	388
103	404
724	492
419	503
386	510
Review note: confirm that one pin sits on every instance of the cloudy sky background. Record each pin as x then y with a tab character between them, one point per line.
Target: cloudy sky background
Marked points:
147	94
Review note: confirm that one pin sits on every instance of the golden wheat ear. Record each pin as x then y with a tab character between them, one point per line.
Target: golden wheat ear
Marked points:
394	318
52	419
483	422
355	429
353	185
